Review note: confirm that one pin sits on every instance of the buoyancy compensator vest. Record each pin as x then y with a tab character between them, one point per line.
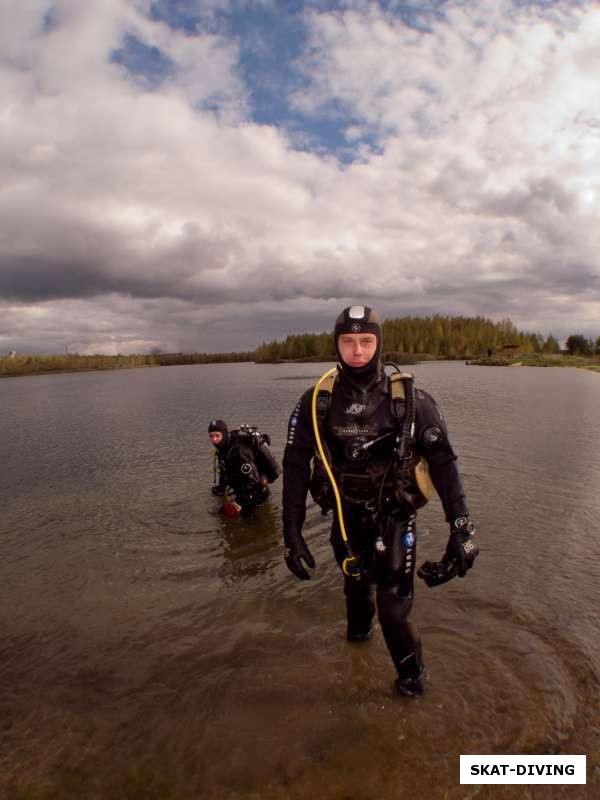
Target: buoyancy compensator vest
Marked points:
402	474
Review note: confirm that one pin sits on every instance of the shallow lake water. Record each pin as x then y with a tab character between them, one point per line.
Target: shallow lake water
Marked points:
151	648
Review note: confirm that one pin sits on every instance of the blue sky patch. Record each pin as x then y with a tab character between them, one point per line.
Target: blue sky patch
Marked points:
271	44
143	62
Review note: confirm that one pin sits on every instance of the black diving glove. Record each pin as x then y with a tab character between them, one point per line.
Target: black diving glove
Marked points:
462	547
458	558
216	489
296	552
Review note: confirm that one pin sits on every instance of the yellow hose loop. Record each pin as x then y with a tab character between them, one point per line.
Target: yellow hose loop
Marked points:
323	457
351	567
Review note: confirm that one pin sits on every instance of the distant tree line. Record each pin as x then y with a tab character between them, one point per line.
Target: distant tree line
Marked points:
578	345
439	336
170	359
34	364
404	338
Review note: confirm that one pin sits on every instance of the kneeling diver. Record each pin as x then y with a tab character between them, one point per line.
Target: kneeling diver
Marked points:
372	448
244	466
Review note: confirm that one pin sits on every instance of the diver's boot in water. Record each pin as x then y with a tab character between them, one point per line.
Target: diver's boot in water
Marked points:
360	636
411	673
412	686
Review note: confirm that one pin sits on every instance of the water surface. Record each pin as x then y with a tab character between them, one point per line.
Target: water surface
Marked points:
150	647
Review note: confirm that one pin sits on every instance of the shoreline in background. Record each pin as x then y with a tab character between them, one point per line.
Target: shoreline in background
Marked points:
539	360
23	366
17	366
408	341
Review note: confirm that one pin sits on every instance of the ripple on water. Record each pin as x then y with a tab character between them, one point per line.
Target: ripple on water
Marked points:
153	648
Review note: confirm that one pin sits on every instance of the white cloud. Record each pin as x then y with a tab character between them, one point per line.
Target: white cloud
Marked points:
489	124
132	214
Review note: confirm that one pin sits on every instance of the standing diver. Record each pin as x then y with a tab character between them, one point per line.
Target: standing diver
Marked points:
244	466
378	448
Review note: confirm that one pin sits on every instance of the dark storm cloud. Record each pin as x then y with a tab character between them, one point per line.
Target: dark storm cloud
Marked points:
90	260
141	205
28	279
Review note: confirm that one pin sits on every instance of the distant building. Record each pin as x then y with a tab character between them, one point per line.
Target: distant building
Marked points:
508	350
12	354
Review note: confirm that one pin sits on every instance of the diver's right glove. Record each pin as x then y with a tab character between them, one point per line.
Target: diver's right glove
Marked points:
216	489
462	547
297	552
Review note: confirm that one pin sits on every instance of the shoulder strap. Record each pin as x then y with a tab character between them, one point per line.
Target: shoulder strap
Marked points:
327	385
403	394
402	389
324	401
397	384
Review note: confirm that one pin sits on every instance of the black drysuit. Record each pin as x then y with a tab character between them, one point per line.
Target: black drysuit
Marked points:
245	464
384	542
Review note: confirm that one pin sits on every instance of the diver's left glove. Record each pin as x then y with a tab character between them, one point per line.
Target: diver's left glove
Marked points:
297	552
462	547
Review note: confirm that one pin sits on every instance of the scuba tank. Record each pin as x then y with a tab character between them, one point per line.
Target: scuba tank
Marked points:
250	466
259	445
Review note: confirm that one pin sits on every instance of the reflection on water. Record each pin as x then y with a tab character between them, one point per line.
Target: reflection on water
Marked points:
152	648
250	544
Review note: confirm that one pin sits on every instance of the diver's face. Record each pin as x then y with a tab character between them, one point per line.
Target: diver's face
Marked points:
216	437
357	349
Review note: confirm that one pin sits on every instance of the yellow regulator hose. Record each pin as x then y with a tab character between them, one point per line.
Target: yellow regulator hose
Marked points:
350	565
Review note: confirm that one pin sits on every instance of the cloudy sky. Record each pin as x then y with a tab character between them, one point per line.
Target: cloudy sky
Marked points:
207	174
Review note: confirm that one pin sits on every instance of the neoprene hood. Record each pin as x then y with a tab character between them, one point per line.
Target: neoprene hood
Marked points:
359	319
219	425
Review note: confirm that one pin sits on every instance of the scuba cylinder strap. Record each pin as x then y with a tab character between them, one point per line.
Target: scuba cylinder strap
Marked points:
414	487
402	389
